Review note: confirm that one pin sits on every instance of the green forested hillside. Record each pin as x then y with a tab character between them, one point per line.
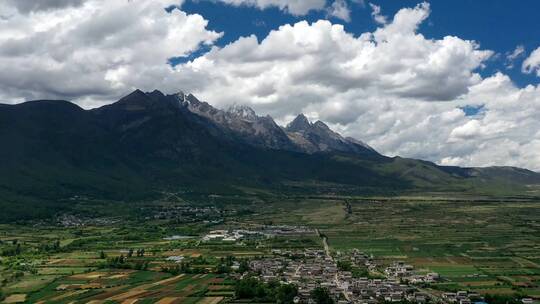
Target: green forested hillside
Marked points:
145	144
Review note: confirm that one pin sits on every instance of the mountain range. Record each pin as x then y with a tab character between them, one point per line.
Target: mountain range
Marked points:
149	143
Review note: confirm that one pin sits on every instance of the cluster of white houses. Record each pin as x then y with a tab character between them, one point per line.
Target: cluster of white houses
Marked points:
310	269
405	272
233	235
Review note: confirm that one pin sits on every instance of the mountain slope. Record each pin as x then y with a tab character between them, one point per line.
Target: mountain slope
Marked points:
318	137
147	143
241	121
133	149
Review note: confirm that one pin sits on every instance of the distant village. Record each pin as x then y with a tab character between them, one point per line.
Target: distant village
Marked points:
309	269
187	214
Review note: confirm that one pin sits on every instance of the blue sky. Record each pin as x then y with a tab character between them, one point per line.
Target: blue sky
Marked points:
499	25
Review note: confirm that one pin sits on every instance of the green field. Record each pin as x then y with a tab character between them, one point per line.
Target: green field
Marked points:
483	244
491	246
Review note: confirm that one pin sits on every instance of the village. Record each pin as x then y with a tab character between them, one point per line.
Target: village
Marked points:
309	269
185	214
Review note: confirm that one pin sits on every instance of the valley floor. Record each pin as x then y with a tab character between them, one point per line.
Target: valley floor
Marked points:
169	254
485	245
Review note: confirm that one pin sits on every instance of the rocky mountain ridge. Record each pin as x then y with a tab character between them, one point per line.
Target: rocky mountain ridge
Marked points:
300	135
146	144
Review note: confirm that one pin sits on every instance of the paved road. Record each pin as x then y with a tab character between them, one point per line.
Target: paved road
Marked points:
327	251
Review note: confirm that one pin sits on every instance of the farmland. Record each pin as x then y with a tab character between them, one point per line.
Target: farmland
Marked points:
484	245
98	265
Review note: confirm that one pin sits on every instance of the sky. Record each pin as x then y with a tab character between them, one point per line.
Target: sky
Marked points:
453	82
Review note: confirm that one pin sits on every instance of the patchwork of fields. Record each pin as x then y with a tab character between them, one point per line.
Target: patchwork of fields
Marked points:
115	286
80	271
488	246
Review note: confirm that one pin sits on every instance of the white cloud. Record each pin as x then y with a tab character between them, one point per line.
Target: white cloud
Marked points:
376	14
393	88
100	48
307	62
532	63
511	57
27	6
340	9
295	7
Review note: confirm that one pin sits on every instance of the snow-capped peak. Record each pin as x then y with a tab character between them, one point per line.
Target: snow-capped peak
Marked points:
242	111
186	99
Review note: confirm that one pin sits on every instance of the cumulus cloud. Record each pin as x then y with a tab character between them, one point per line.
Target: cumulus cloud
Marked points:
295	7
387	87
99	49
441	132
393	88
312	63
532	63
338	8
27	6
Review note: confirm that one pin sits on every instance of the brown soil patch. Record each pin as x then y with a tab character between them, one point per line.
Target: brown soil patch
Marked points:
89	276
118	276
126	295
79	286
188	288
56	261
151	293
69	262
162	283
521	284
15	298
102	275
168	281
211	300
167	300
91	286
